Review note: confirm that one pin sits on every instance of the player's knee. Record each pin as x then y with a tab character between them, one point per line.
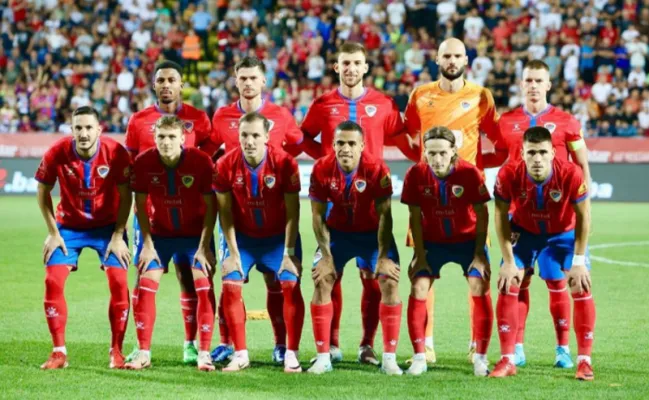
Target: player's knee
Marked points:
326	284
271	281
478	286
154	274
367	274
420	287
389	291
185	276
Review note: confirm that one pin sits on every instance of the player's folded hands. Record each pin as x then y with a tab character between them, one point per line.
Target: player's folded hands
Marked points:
53	242
481	264
508	277
206	259
147	256
417	266
388	268
118	246
323	269
232	264
578	276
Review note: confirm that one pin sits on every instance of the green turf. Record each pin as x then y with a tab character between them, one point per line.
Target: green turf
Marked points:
620	354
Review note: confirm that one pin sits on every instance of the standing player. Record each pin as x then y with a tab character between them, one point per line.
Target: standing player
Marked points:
283	133
95	202
449	219
567	139
176	212
167	84
465	108
359	224
380	119
550	225
258	189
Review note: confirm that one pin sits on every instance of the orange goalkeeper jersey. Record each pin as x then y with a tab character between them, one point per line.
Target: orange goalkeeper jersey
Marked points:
467	112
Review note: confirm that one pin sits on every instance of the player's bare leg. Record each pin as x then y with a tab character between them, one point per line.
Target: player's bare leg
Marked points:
430	355
417	322
370	304
56	314
118	311
235	316
275	307
189	307
390	315
482	323
321	317
523	311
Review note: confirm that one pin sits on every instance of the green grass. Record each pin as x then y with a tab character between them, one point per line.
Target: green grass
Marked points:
620	354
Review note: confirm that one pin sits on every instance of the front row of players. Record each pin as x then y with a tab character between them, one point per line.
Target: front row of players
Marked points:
541	216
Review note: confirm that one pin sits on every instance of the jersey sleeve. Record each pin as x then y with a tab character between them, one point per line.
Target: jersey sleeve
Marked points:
216	137
293	135
311	123
46	172
122	166
205	170
393	125
577	187
317	190
138	176
574	135
411	115
222	182
383	185
477	192
489	122
409	194
204	136
132	140
502	189
291	176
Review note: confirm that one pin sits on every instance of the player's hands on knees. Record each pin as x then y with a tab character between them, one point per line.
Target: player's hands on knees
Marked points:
323	268
232	264
579	277
387	268
417	265
481	264
207	260
508	277
147	256
291	264
119	247
53	242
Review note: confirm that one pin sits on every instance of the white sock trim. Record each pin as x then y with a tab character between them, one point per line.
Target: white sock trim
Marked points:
61	349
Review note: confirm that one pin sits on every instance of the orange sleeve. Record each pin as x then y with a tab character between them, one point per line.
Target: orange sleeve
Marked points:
411	115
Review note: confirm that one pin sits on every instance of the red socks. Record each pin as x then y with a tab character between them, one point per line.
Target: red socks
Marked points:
370	300
482	321
275	307
390	323
584	320
119	305
507	315
417	319
523	310
205	313
337	302
145	312
560	309
188	306
56	309
321	316
223	326
293	312
235	313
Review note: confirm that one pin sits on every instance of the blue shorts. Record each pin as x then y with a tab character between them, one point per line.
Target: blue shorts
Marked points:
266	253
137	237
76	240
553	252
440	254
364	246
181	249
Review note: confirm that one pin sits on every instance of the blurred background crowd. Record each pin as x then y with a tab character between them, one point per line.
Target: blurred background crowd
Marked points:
59	55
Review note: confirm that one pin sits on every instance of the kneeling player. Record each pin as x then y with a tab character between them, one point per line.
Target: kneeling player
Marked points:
93	176
549	225
359	224
449	219
257	190
176	213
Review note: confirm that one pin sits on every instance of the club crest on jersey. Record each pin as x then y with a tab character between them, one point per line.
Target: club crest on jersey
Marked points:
102	170
555	195
550	126
457	190
187	180
189	126
370	110
360	185
465	105
269	181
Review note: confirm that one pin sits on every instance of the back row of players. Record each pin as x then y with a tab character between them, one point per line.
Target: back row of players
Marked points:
257	184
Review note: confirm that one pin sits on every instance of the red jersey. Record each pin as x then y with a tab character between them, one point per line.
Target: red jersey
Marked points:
352	194
89	195
283	129
542	207
446	204
141	126
175	195
258	206
375	112
566	130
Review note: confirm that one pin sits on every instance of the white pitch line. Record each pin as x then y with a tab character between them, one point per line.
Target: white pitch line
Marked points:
623	244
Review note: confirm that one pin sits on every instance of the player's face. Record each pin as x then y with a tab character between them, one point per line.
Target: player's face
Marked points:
253	138
250	82
169	142
538	159
348	146
350	68
167	85
452	61
535	84
86	131
439	155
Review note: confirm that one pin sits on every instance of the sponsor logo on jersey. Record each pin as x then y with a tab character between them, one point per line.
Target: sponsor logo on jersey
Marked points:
457	190
269	181
360	185
516	127
102	170
370	110
187	180
334	185
550	126
239	180
334	111
155	180
555	195
428	191
234	125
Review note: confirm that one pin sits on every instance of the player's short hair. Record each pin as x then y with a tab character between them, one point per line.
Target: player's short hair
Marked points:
349	126
537	134
352	47
85	110
170	122
536	64
250	62
168	64
255	116
444	133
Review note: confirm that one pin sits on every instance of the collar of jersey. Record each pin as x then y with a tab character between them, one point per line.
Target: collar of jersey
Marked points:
340	93
242	111
91	159
437	178
180	160
540	183
547	110
250	167
158	109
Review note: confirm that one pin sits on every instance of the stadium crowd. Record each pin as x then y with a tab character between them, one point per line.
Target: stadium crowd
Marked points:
56	56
